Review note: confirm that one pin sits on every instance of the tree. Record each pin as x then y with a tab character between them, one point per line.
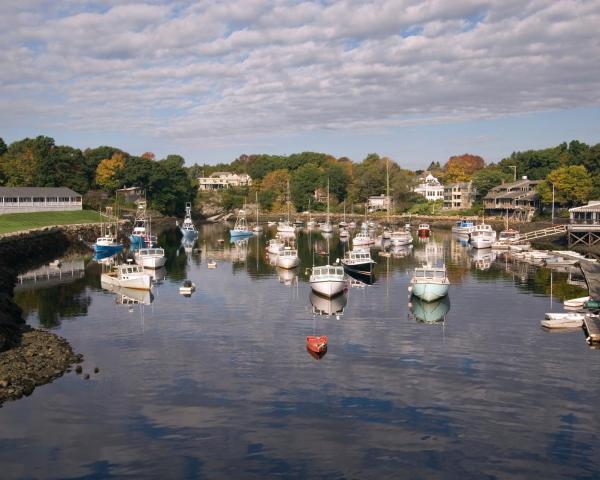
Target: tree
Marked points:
92	158
460	168
148	156
3	147
107	173
303	183
338	179
572	185
486	179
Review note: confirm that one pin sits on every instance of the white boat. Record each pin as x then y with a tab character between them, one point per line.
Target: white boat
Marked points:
423	230
288	258
429	283
128	276
150	257
563	320
359	261
286	226
187	288
463	227
363	237
274	245
240	228
344	233
271	223
399	238
211	264
326	227
187	228
129	296
328	280
483	236
576	302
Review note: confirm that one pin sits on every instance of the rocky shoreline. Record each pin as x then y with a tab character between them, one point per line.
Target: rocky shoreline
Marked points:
29	357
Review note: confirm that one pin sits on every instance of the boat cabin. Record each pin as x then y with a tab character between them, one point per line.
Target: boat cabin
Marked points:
327	271
424	274
150	252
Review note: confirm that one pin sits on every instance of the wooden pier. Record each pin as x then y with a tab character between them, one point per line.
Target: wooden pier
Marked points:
544	232
591	324
582	234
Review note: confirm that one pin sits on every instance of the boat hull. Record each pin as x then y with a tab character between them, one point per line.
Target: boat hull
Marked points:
317	344
328	288
479	242
287	262
429	291
240	233
143	282
189	233
365	268
150	262
107	249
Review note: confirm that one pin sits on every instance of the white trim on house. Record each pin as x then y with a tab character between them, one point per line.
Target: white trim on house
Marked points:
221	180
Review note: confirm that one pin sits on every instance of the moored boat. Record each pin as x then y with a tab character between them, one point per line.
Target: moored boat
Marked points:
150	257
187	228
288	258
128	276
399	238
463	227
240	228
423	230
317	344
328	280
187	288
429	283
358	260
483	236
563	320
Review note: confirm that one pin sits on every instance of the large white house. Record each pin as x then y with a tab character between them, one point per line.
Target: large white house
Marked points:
430	187
221	180
38	199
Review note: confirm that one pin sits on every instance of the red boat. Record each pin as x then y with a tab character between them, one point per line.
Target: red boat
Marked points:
423	230
316	344
316	356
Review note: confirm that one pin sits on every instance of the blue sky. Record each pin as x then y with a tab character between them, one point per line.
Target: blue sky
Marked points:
418	81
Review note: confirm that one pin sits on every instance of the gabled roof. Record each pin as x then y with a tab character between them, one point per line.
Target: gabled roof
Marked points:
37	192
592	206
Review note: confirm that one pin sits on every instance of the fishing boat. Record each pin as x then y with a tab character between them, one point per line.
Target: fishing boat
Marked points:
363	237
358	260
128	276
141	236
423	230
483	236
429	283
187	228
288	258
563	320
399	238
107	244
328	280
316	344
463	227
327	227
257	228
150	257
240	228
274	245
187	288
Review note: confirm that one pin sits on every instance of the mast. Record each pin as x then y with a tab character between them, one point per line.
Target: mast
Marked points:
387	193
328	200
256	208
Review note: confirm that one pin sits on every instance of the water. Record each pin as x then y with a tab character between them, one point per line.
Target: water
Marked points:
220	384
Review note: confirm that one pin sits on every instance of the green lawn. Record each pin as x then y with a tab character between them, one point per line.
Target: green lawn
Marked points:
13	222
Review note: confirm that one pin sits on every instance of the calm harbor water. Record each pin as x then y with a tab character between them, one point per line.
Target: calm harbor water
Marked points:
220	384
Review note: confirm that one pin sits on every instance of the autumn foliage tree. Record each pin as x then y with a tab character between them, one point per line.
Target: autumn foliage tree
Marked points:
460	168
107	173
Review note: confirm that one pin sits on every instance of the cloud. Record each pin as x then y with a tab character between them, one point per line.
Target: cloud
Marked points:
213	72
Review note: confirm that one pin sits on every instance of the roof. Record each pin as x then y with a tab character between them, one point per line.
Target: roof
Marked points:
37	192
592	206
512	185
459	185
517	194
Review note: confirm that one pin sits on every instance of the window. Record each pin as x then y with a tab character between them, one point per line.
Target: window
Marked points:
39	199
24	199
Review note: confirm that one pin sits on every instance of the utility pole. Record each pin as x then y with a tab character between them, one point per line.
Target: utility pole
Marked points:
552	204
514	167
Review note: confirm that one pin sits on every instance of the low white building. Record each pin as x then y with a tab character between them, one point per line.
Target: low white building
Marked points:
430	187
38	199
379	202
221	180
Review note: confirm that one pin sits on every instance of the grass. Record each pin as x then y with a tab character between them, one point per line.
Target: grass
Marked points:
12	222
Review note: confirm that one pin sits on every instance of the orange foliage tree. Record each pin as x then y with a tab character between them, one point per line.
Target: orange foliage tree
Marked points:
460	168
108	170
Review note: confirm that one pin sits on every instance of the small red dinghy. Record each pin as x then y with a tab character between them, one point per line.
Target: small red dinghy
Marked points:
316	344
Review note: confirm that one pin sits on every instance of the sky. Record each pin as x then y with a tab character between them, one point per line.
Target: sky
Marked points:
417	81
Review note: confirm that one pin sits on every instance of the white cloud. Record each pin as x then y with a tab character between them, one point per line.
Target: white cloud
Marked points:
214	72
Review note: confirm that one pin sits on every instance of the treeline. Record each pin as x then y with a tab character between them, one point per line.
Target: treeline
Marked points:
39	162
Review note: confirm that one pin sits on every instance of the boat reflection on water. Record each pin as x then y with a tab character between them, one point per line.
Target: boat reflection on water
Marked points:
482	258
328	307
429	312
360	279
158	274
288	277
187	244
401	251
129	296
272	258
105	258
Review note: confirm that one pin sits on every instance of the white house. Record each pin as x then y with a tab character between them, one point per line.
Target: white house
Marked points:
379	202
38	199
430	187
221	180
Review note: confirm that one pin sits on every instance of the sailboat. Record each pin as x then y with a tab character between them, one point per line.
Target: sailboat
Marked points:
240	228
286	226
343	223
257	228
187	228
327	227
107	243
386	232
363	237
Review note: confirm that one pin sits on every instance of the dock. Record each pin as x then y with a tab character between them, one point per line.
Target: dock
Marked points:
591	324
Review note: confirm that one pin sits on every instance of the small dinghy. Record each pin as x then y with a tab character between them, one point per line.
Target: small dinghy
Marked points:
576	302
316	344
562	320
211	264
187	288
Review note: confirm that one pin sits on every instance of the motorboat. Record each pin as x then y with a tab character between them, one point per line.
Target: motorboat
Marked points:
187	288
150	257
423	230
240	228
107	243
463	227
429	283
483	236
128	276
363	237
563	320
359	260
429	312
274	245
129	296
328	280
288	258
187	228
316	344
328	307
141	236
399	238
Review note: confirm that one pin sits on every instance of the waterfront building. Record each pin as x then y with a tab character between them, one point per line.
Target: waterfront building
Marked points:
223	180
379	202
430	187
458	196
38	199
518	200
